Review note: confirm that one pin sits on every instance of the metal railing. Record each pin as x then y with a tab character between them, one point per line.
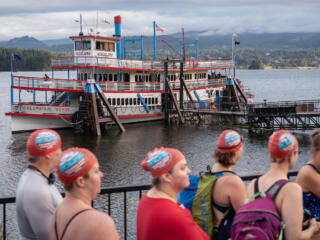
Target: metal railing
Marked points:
146	65
54	84
109	192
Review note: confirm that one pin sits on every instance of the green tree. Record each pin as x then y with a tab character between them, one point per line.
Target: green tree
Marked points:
256	64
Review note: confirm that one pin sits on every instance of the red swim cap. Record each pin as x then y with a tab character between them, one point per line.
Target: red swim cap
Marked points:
74	163
281	144
229	141
160	160
43	142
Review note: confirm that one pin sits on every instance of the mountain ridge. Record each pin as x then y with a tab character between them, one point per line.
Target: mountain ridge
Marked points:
247	40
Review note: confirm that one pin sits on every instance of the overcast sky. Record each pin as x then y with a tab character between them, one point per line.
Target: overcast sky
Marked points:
54	19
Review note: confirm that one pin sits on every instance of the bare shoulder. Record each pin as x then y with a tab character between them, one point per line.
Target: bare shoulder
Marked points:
233	179
100	218
306	174
100	225
305	171
291	189
250	188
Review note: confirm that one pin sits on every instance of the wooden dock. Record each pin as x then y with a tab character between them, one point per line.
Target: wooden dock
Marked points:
259	116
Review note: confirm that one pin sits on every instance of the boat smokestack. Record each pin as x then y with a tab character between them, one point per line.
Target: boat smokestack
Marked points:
117	28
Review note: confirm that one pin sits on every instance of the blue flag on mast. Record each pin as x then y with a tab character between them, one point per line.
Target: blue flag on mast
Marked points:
16	57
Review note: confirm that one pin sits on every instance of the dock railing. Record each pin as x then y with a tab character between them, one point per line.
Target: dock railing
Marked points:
111	202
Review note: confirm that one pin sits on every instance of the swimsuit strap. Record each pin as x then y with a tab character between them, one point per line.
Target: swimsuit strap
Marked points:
68	223
314	167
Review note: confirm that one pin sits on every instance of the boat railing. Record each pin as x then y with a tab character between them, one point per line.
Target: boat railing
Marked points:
146	65
300	106
36	83
119	202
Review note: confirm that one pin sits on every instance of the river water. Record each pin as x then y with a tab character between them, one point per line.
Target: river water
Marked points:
120	154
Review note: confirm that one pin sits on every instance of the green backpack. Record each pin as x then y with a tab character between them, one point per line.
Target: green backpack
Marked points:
197	198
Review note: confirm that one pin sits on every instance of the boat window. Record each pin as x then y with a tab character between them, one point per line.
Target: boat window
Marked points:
122	101
110	47
86	45
118	101
134	101
127	101
136	78
113	101
95	76
85	77
110	77
195	76
99	45
139	101
105	77
156	100
147	78
115	77
152	99
109	100
130	101
140	78
77	45
100	77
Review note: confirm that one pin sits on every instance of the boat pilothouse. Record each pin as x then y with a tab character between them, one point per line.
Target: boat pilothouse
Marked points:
133	88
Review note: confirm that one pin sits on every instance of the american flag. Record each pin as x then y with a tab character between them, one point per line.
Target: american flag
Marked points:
159	29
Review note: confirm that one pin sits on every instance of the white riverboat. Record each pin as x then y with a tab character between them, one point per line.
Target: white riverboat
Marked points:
134	88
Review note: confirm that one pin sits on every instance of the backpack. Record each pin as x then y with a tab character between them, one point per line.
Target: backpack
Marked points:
197	198
259	219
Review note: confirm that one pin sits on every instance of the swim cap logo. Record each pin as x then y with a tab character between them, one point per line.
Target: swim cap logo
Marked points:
46	141
158	160
232	139
285	142
72	163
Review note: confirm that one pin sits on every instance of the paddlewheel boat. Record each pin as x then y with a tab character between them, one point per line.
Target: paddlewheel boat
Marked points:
133	88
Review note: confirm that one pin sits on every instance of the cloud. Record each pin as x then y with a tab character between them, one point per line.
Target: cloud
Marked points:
55	19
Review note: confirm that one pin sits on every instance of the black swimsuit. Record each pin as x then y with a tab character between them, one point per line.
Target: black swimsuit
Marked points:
68	223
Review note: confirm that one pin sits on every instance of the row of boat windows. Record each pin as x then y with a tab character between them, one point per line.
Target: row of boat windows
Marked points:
131	101
173	77
138	77
86	45
114	77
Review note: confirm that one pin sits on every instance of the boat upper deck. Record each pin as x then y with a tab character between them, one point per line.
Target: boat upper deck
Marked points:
73	85
75	62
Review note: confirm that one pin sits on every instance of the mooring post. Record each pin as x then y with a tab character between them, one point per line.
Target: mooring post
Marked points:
181	84
166	95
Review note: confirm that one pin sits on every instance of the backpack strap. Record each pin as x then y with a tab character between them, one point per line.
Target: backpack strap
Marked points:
276	187
256	185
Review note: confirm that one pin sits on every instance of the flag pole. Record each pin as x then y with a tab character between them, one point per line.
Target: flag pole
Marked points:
233	62
11	70
154	41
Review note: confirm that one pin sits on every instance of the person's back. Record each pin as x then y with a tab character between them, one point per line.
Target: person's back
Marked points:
36	195
35	200
283	148
74	218
228	193
309	178
159	216
163	219
75	221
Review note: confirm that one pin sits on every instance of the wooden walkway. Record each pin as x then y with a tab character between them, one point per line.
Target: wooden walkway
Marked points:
261	116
